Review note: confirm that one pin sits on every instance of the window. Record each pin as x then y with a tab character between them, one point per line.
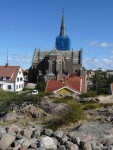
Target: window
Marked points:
19	72
9	87
21	79
17	79
7	78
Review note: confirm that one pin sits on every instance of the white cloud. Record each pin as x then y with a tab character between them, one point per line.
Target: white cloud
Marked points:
17	60
93	43
101	44
95	63
107	61
21	59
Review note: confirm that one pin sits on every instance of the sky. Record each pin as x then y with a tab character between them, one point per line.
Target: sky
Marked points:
29	24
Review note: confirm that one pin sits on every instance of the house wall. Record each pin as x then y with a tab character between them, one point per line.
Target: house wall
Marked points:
64	91
18	83
6	84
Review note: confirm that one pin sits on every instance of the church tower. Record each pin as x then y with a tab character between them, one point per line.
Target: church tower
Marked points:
63	41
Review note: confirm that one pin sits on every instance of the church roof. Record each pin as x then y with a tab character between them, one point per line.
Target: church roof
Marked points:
63	27
55	52
67	54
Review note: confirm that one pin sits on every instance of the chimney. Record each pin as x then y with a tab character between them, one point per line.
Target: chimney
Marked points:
81	85
63	79
6	65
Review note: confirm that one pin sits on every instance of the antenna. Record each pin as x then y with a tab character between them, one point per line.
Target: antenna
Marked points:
63	10
7	58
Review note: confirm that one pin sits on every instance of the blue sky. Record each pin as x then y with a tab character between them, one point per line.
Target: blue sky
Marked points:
26	24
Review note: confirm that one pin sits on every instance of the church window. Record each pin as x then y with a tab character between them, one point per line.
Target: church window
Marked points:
54	66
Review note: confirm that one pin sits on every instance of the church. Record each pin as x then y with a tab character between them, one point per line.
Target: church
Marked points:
59	62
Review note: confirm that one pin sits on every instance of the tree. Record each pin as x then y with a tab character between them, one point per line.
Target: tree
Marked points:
101	81
41	86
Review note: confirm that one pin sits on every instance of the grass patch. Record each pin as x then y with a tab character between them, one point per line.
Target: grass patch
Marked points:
91	106
9	99
74	114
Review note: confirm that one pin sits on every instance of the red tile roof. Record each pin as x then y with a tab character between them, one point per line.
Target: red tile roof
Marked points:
9	71
71	82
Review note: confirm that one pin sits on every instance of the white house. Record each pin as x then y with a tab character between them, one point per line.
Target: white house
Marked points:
11	78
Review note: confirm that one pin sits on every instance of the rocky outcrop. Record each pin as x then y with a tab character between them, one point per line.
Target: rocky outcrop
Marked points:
34	111
53	108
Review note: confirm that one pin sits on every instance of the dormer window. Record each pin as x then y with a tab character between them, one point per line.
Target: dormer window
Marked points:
7	78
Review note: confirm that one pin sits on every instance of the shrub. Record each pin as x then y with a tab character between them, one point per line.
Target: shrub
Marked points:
88	94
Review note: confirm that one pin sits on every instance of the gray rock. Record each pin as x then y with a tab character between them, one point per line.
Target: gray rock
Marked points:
2	132
33	145
6	141
77	141
108	141
87	146
110	147
39	128
95	147
28	132
10	116
62	147
68	144
74	147
55	140
19	136
48	132
24	147
64	139
19	142
28	142
36	134
58	134
17	147
13	128
58	144
41	148
47	143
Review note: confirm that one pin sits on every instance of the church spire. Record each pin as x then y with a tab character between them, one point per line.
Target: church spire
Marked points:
63	28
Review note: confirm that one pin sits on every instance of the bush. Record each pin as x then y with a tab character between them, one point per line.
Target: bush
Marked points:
88	94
